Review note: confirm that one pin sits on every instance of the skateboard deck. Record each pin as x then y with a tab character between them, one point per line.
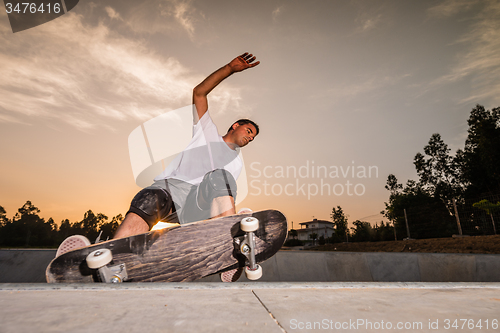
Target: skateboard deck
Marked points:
177	254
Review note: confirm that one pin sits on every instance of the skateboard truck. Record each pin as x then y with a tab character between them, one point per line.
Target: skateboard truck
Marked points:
246	246
99	259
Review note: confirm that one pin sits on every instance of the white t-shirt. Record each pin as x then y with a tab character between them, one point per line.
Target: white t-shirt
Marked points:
205	152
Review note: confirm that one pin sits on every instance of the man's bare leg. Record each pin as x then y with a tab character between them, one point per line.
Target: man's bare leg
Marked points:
133	224
222	206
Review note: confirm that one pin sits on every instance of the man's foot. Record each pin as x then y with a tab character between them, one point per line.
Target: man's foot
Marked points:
72	243
232	275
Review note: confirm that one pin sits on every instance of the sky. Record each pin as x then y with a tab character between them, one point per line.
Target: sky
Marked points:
347	92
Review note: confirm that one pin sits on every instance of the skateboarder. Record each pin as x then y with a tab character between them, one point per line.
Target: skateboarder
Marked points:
201	182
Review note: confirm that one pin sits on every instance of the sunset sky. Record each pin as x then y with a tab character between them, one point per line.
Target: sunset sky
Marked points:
342	86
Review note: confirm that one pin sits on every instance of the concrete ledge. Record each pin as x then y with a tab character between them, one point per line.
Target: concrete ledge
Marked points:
249	286
28	266
24	265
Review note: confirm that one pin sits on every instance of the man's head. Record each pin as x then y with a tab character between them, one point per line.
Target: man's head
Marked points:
242	132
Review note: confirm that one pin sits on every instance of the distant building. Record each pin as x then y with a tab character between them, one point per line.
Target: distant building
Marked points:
318	227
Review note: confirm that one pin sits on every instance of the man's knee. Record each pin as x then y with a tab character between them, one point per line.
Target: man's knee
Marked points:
217	183
152	205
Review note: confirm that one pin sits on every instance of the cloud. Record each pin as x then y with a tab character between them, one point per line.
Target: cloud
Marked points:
369	23
90	76
182	13
368	84
370	16
112	13
277	12
450	7
480	60
162	16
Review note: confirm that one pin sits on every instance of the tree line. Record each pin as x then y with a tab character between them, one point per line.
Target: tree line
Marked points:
449	183
28	229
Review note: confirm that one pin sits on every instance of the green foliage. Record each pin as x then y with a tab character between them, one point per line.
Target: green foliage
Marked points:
488	207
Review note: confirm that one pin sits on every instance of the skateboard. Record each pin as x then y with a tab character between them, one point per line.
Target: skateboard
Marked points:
177	254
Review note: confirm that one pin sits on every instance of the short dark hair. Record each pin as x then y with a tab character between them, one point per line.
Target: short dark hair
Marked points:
243	122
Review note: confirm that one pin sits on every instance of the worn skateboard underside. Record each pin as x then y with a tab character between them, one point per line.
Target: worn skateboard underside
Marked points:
177	254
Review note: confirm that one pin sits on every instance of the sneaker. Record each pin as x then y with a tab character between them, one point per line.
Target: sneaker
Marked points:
244	211
232	275
72	243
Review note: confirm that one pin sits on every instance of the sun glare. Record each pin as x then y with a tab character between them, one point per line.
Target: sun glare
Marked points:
163	225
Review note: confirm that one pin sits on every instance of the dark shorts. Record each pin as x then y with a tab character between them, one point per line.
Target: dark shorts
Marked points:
176	201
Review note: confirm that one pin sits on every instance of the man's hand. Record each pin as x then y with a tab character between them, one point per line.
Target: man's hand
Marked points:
243	62
201	91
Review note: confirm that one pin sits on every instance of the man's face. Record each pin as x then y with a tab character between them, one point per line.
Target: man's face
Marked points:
243	134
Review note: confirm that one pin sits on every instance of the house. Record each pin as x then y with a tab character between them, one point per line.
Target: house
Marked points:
318	227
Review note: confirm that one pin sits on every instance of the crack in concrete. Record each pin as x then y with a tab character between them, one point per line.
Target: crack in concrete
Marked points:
270	313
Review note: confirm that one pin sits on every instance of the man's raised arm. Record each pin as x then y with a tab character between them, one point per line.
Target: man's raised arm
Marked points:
201	91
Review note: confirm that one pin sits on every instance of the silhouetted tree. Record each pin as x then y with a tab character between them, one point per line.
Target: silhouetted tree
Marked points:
27	228
313	236
439	172
109	228
91	224
428	215
480	159
340	221
361	232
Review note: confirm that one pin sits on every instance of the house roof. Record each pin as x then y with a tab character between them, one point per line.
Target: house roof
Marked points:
316	221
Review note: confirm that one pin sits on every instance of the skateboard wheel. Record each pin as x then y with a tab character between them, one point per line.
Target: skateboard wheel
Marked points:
253	274
99	258
249	224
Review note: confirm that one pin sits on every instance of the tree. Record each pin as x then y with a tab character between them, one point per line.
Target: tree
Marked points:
340	221
480	159
471	173
91	224
361	232
490	209
439	172
383	232
428	216
28	229
3	217
313	236
108	229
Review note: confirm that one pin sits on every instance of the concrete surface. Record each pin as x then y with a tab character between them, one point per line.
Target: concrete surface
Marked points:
26	266
251	307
